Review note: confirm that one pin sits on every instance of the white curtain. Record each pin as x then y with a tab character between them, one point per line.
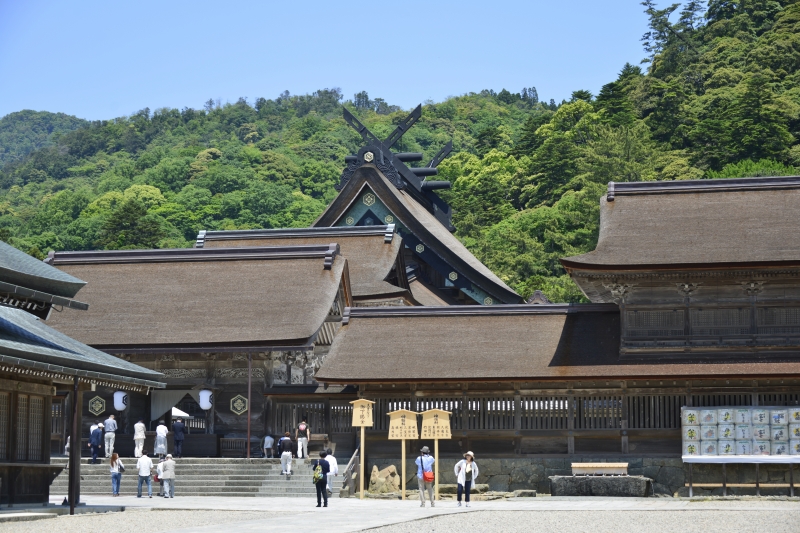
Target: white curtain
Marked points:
162	401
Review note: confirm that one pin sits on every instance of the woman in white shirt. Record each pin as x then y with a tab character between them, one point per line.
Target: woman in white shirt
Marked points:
117	468
466	471
161	439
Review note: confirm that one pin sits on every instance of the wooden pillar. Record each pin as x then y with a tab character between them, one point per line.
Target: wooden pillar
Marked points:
624	419
570	422
517	421
47	423
436	469
249	400
75	449
403	462
361	466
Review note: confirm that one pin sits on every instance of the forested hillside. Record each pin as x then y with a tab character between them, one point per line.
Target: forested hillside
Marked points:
24	131
718	97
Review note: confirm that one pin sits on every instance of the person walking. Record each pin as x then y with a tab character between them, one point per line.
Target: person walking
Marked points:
117	468
145	467
334	464
96	442
138	438
321	469
425	475
267	446
159	476
168	475
178	432
302	434
161	440
285	449
466	471
111	428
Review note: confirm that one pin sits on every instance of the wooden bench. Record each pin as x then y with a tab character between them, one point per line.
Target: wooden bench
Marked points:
599	469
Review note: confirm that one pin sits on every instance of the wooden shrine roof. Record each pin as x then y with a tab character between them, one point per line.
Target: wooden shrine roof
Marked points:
20	269
548	342
422	223
216	299
696	224
371	251
29	346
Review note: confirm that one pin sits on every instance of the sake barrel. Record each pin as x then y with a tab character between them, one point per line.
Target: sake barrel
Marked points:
778	433
794	431
725	416
779	447
761	447
779	417
759	416
794	447
708	433
692	448
744	447
690	417
708	447
743	432
742	416
760	431
691	433
708	416
726	447
726	431
794	415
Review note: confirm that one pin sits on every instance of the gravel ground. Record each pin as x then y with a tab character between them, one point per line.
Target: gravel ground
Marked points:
604	522
133	521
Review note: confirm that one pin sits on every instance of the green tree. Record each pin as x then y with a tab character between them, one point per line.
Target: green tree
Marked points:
129	226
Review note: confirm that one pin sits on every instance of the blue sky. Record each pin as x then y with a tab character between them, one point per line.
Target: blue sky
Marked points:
100	60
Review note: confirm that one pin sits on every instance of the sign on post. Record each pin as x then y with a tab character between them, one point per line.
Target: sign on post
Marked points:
402	426
436	425
362	417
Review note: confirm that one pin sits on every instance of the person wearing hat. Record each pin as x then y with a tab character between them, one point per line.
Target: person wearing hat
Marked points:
168	475
466	471
96	442
425	475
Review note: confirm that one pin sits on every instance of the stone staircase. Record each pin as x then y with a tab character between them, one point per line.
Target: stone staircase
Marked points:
203	477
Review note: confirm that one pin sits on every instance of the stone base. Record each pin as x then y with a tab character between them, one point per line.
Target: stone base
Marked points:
524	493
624	486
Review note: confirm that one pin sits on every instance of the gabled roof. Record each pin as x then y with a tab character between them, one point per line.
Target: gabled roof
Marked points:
19	269
371	251
696	224
216	299
27	343
548	342
422	227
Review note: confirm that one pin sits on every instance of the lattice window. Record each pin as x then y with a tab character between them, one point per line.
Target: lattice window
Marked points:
779	399
453	405
289	415
598	412
778	320
5	398
383	406
491	412
720	321
341	418
544	412
22	428
721	400
36	426
654	323
655	412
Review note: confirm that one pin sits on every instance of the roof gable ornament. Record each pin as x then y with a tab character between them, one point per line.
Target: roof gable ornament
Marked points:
538	298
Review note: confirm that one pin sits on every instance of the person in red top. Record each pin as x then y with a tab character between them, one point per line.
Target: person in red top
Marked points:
302	435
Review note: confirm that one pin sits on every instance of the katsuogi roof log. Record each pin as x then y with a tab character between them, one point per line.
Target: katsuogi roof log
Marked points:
194	300
553	342
697	224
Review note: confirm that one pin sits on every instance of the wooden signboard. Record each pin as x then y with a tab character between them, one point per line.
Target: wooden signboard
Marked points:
362	417
436	425
402	426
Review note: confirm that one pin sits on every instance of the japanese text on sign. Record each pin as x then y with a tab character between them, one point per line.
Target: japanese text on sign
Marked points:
436	424
403	425
362	413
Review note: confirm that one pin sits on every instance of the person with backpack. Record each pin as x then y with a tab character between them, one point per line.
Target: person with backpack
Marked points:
285	449
425	475
466	471
302	435
321	469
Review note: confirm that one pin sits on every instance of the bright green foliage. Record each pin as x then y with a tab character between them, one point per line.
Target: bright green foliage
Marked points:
720	98
25	131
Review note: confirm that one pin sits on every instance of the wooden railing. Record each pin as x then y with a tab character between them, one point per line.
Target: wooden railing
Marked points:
349	470
195	425
233	447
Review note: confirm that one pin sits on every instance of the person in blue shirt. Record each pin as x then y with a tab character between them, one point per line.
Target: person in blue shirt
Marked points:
425	464
96	442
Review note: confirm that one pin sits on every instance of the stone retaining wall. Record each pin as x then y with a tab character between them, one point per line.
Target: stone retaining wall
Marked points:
668	474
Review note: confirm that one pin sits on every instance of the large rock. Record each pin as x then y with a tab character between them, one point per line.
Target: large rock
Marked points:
383	481
631	486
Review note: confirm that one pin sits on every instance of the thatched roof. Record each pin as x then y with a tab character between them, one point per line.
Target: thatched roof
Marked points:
27	343
203	299
372	252
500	343
18	268
696	224
422	224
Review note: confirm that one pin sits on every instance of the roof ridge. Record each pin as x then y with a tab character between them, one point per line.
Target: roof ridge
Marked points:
704	185
388	231
477	310
177	255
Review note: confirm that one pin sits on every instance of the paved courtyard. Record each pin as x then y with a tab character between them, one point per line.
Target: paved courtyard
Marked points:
564	515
